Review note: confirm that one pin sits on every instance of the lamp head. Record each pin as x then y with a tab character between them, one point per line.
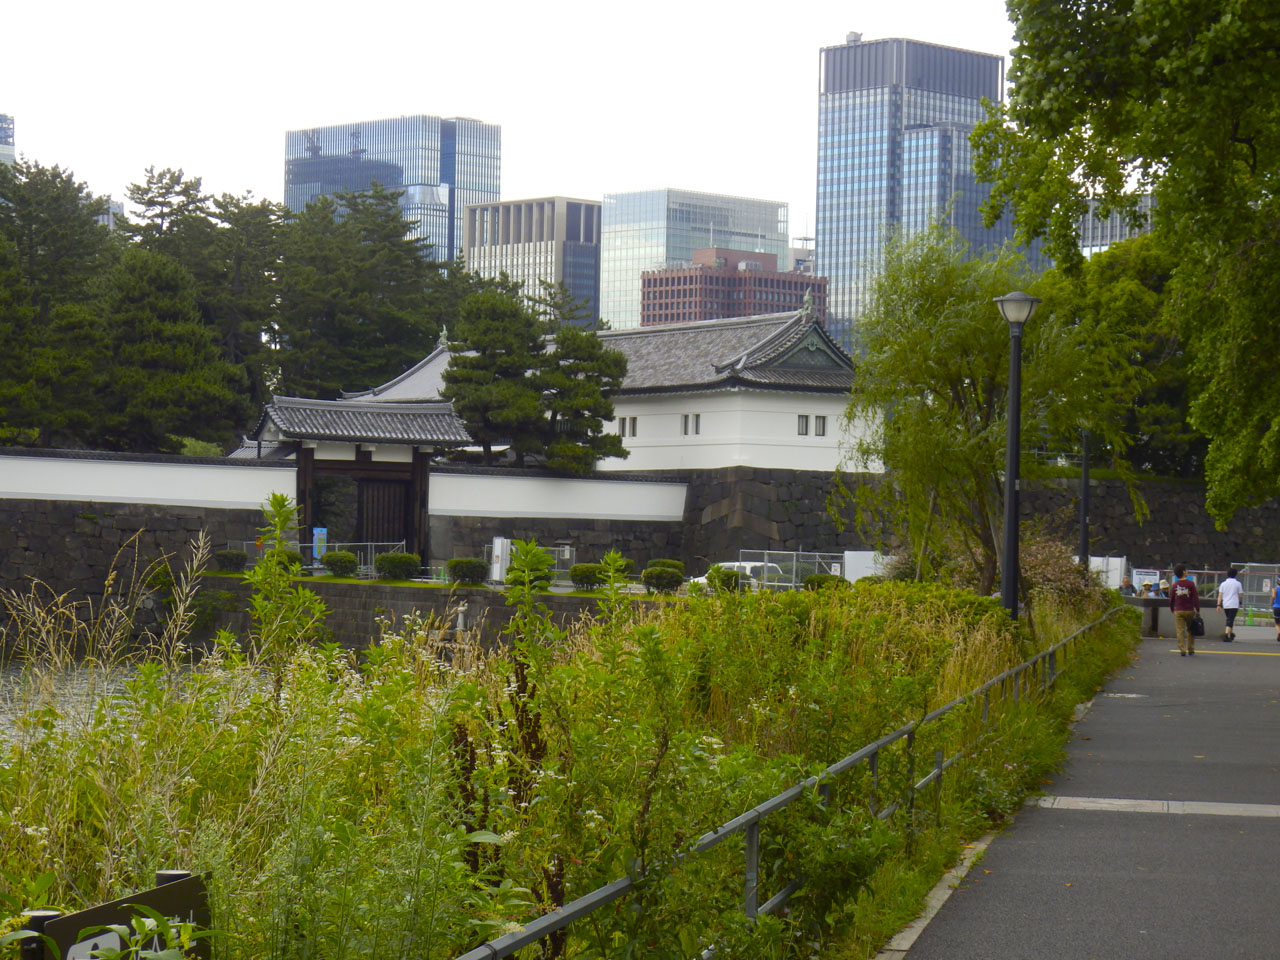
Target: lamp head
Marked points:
1017	307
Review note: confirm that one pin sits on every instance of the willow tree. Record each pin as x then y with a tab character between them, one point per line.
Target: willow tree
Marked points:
930	392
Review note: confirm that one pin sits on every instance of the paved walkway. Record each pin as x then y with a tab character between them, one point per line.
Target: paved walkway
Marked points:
1161	837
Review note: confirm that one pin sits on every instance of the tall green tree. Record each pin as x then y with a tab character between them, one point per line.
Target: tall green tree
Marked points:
51	221
163	378
557	304
354	296
578	380
1180	98
929	397
493	374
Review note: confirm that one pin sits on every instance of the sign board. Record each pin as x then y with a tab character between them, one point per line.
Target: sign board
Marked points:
182	901
319	541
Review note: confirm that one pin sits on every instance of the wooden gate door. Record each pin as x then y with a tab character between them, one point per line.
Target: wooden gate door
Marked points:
383	506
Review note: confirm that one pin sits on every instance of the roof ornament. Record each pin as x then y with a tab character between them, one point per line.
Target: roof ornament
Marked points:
443	342
806	309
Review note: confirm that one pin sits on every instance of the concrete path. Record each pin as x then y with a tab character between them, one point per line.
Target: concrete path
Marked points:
1160	840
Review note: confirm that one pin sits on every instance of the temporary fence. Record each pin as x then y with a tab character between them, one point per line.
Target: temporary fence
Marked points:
1031	678
787	569
364	552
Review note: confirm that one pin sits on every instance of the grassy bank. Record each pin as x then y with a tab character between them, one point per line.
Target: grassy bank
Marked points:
420	799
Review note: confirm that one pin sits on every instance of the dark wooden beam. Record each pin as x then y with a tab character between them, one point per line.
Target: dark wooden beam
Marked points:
418	519
305	498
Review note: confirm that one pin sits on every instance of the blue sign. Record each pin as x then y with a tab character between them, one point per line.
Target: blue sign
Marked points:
319	541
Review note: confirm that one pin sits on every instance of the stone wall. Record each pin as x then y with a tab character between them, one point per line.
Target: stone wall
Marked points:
639	540
71	545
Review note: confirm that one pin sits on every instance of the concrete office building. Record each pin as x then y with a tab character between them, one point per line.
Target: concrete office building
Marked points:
1096	234
552	239
440	165
7	150
650	229
727	283
894	118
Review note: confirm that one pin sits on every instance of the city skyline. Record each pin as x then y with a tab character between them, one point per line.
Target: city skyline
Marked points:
599	110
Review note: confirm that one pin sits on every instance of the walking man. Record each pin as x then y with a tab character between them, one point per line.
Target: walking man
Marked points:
1184	601
1229	592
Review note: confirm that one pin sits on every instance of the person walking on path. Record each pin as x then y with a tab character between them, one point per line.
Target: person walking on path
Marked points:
1184	601
1229	592
1275	606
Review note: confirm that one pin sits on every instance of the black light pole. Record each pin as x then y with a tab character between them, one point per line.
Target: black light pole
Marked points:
1084	501
1016	308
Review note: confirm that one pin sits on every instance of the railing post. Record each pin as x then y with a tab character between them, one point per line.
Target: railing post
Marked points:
937	777
751	890
874	763
911	778
986	705
1053	668
33	947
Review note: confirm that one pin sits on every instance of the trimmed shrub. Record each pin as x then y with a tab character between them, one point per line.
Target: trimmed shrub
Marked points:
467	570
286	558
722	578
586	576
397	566
676	565
816	581
232	561
341	563
661	579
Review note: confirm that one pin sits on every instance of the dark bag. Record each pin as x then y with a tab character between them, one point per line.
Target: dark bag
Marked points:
1197	626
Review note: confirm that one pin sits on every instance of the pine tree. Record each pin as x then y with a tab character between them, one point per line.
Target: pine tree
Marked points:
579	378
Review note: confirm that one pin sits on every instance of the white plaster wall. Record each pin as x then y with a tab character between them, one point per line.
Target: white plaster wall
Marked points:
228	486
232	486
461	495
755	428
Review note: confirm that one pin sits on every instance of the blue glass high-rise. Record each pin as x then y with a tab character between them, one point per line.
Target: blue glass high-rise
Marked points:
894	118
440	165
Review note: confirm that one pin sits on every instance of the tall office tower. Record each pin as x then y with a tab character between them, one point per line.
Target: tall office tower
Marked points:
7	153
727	283
651	229
894	118
555	239
440	165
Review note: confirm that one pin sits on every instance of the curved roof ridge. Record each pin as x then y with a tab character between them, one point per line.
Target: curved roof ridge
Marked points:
758	352
396	381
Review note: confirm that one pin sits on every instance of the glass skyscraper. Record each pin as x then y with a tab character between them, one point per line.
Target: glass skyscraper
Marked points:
7	152
650	229
894	118
440	165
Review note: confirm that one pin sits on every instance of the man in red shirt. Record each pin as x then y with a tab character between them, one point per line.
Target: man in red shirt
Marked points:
1184	601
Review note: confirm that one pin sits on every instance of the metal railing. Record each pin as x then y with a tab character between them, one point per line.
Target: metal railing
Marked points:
365	552
787	569
1031	677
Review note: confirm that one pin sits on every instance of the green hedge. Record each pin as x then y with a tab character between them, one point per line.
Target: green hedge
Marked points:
341	563
470	570
816	581
722	578
676	565
397	566
586	576
232	561
662	579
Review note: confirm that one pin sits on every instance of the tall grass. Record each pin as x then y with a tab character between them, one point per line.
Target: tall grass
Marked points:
426	795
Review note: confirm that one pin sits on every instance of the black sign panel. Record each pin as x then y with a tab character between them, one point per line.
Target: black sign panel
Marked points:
182	901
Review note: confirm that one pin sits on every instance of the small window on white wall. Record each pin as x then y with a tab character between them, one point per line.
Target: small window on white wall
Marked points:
633	426
802	425
622	426
690	423
819	426
697	423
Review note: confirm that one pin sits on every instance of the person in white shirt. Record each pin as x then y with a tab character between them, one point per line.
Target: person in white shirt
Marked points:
1229	602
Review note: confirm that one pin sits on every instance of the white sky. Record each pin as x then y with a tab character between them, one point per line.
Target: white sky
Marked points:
593	97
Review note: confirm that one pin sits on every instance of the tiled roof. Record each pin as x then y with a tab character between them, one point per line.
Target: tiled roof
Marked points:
354	421
423	381
713	353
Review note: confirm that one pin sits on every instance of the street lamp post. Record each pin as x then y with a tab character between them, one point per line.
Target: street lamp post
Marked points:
1016	308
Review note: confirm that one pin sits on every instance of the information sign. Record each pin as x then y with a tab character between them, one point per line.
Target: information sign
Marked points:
182	901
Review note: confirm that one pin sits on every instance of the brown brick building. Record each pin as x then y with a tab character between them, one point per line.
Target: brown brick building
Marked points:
726	283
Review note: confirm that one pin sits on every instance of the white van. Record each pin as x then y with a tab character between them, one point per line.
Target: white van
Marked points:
751	575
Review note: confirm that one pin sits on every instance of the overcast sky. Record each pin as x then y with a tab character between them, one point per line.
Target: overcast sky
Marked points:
593	97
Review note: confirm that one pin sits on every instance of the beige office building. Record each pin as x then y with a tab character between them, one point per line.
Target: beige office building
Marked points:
556	239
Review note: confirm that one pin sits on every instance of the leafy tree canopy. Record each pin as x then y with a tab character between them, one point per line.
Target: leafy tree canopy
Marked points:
929	397
1182	99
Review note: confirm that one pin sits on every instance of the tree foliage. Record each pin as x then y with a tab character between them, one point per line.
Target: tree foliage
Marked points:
1181	99
578	380
929	398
